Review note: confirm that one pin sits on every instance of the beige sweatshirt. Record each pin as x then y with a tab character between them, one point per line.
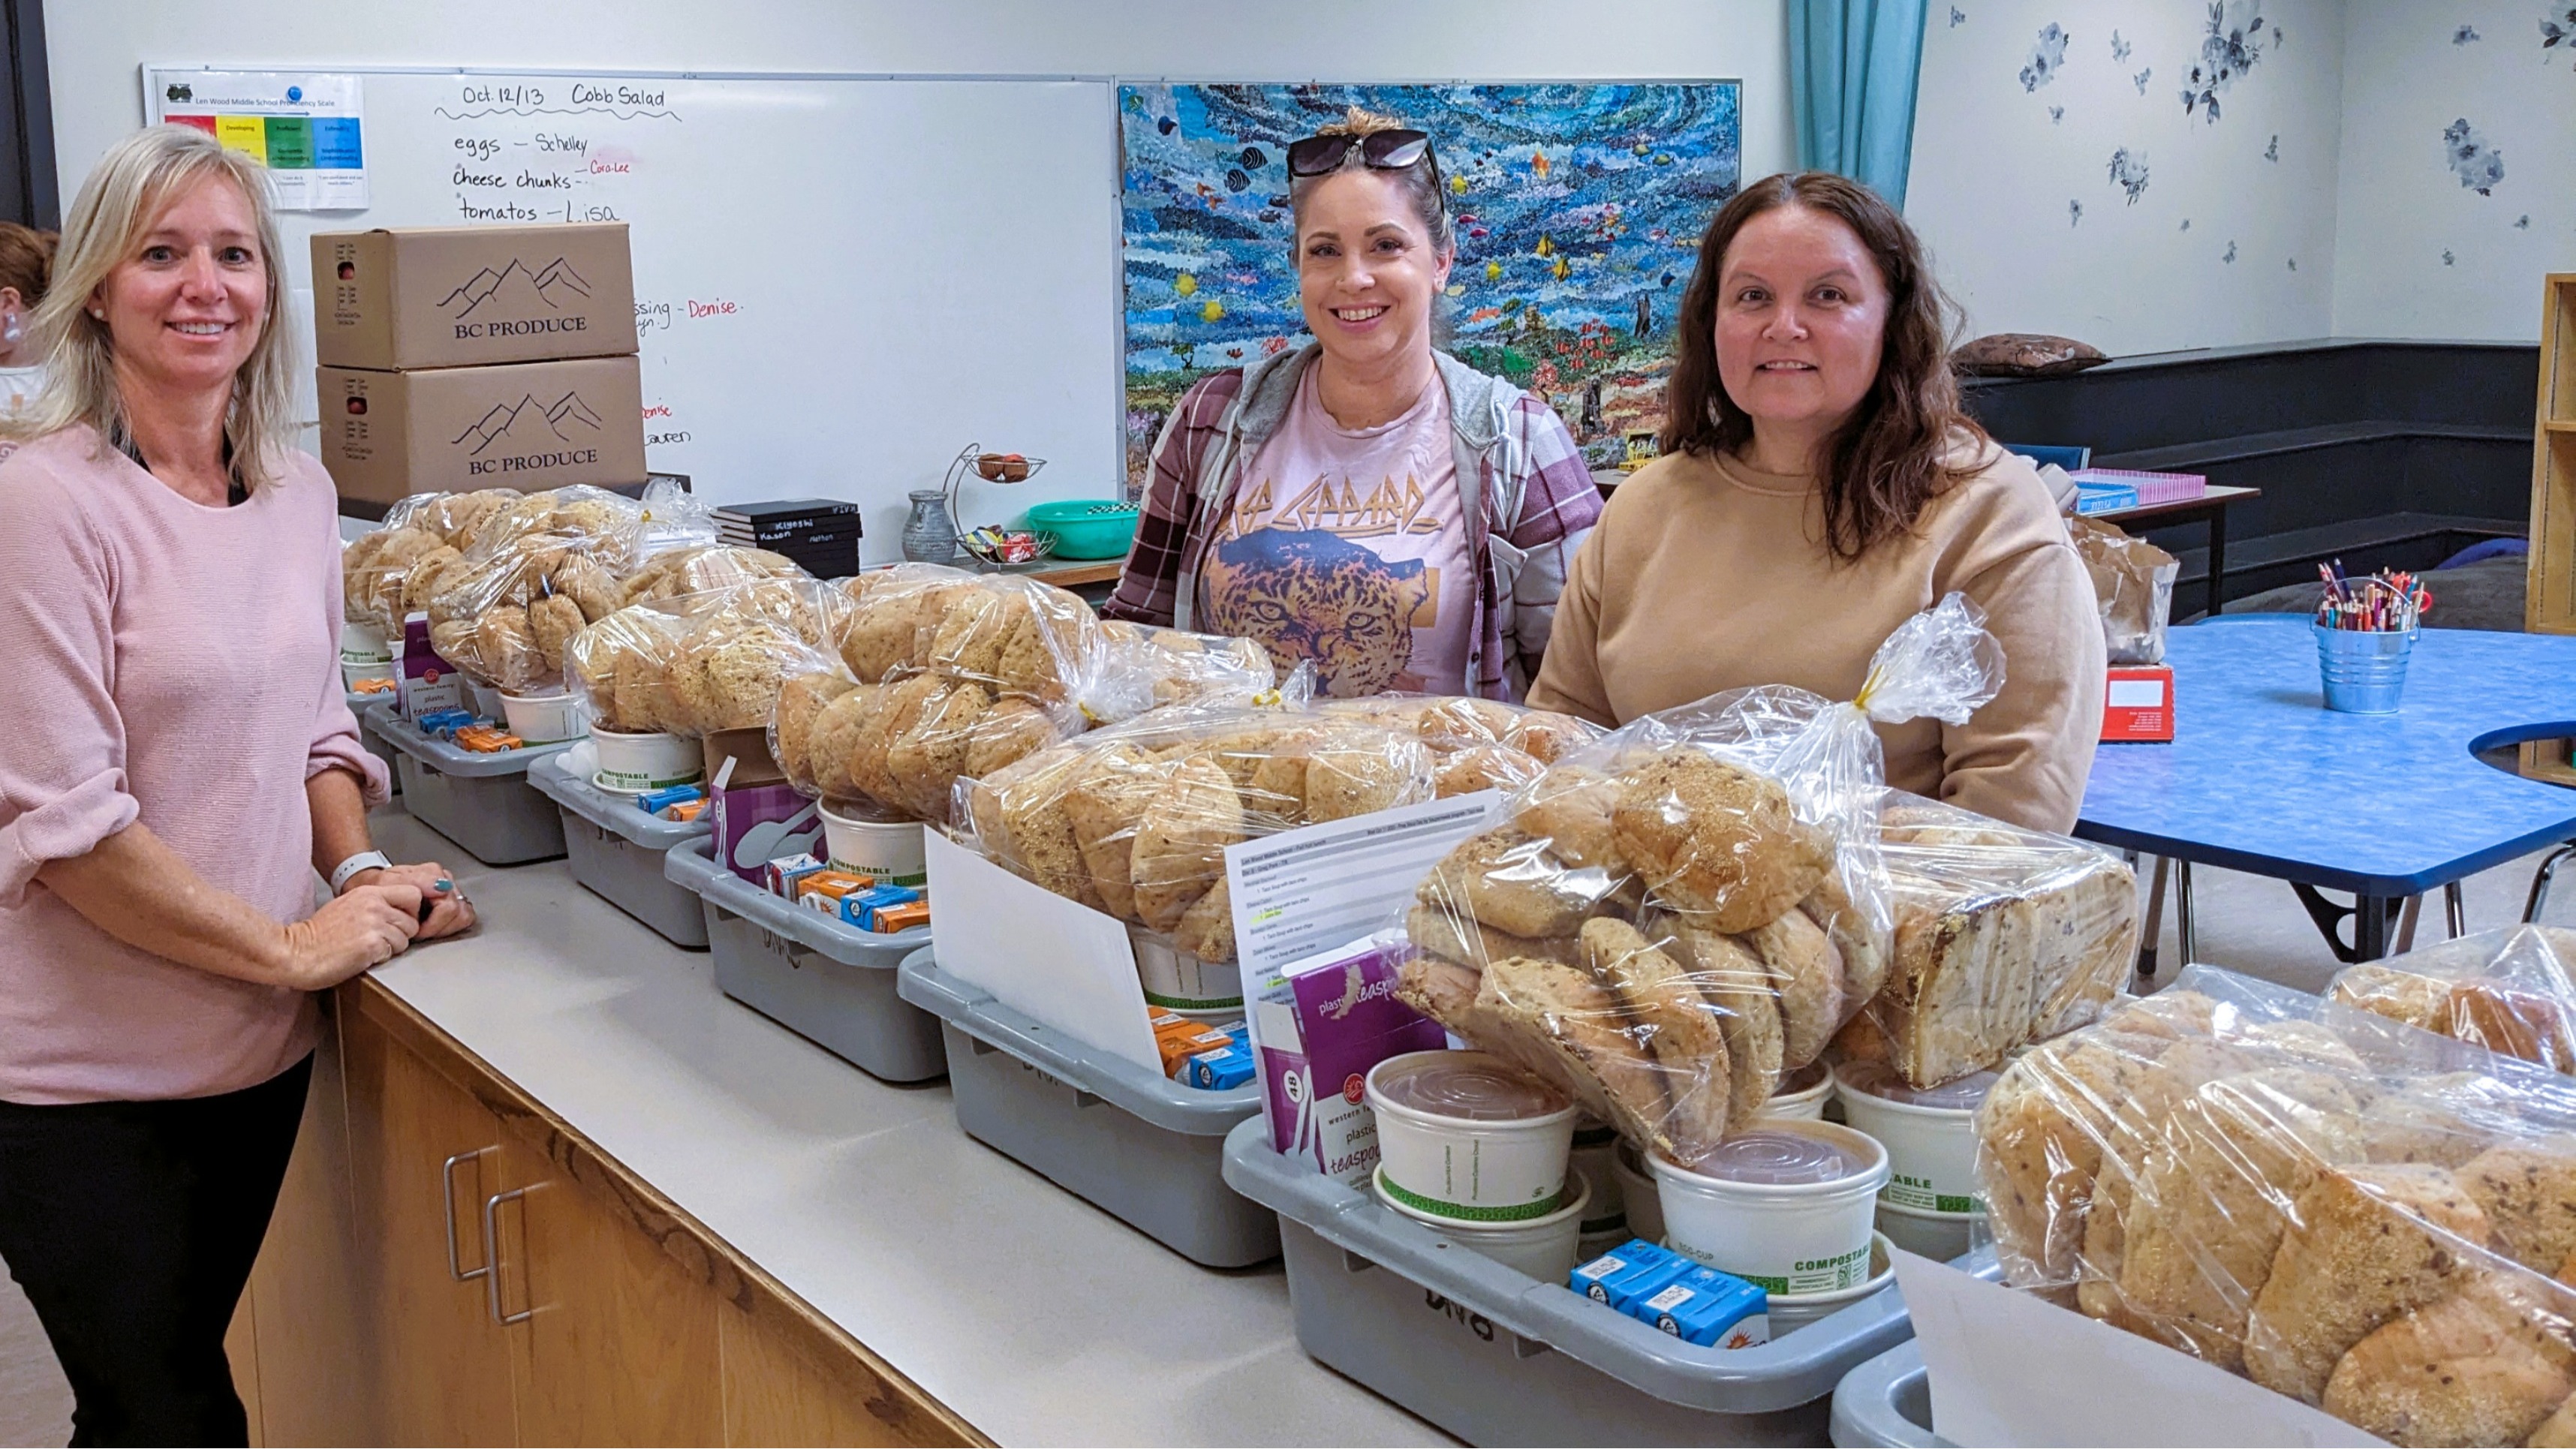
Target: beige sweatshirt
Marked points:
1706	575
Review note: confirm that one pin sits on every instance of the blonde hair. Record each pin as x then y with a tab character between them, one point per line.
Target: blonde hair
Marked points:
124	195
1420	184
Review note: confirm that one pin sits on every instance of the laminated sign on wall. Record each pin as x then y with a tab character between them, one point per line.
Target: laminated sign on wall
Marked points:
304	127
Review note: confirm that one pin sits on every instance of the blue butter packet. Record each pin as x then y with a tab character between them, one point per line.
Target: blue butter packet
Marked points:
1708	1308
1634	1270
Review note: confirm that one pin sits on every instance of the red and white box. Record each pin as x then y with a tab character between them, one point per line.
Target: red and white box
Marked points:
2138	704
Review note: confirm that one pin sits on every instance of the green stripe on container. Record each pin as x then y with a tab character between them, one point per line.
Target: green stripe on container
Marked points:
1959	1205
1461	1212
1183	1003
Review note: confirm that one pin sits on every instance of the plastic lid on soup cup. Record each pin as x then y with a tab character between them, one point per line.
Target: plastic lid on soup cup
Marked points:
1466	1086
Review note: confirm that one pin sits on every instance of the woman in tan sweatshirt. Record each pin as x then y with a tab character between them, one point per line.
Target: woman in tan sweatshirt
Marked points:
1819	484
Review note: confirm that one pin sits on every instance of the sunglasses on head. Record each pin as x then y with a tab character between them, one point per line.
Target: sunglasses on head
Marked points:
1379	150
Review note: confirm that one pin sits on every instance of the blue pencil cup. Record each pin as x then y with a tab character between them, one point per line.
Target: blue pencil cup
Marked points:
2364	671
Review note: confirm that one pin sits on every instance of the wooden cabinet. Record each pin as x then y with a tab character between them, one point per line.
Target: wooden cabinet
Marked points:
425	1156
451	1264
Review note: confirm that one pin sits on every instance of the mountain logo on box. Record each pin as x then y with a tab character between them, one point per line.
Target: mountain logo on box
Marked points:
502	422
487	284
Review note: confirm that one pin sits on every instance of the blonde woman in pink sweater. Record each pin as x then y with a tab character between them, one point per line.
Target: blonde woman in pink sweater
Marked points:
178	764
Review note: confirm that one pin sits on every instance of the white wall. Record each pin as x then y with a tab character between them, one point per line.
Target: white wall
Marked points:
1994	172
95	46
2417	253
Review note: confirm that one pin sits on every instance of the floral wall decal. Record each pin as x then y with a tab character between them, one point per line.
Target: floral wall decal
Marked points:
2231	44
2129	171
2472	158
2047	57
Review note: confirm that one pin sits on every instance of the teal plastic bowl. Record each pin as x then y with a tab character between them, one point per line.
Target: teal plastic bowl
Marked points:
1083	528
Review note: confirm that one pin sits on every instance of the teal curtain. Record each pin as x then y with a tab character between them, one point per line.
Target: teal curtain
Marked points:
1852	67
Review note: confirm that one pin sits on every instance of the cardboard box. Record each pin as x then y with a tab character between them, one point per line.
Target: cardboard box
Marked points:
2138	704
470	296
530	426
749	751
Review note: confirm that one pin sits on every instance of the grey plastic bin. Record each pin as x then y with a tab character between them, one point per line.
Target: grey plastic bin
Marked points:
1145	1149
362	705
1497	1357
1886	1403
616	850
823	979
482	802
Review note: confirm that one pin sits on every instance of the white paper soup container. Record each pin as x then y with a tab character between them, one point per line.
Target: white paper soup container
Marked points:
1937	1236
1545	1248
878	844
1802	1095
1790	1312
546	719
1178	981
1785	1204
1639	1198
364	654
630	764
1461	1135
1930	1134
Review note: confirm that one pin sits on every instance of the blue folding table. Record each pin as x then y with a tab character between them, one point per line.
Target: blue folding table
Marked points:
2262	778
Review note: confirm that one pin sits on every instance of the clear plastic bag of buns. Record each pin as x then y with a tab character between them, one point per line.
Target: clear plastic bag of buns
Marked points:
1671	919
1478	744
903	743
700	664
1999	936
1144	668
1014	636
702	568
388	574
2376	1220
621	665
2508	991
1133	820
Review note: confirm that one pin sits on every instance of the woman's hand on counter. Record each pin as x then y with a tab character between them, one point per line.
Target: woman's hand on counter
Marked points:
450	914
365	926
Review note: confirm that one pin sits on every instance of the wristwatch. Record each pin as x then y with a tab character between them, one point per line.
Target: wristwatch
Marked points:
362	861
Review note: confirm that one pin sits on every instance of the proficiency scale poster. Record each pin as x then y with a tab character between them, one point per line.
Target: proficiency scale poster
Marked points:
303	126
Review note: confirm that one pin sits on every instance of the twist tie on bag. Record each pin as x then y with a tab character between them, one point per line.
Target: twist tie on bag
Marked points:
1941	663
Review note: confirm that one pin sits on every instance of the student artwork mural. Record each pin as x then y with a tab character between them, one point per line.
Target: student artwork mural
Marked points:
1578	211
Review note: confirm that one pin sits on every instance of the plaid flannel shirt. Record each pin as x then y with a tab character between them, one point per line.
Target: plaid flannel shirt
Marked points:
1535	502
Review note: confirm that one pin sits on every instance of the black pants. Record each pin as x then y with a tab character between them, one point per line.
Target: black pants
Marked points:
132	1226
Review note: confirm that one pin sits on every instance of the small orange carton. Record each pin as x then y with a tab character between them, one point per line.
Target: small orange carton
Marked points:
1180	1044
822	891
890	919
2138	704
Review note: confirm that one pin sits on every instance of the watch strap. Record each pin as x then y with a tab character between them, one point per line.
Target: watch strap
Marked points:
362	861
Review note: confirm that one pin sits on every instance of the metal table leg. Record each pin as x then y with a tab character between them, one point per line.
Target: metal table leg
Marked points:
2455	910
2217	556
2185	938
2540	881
2370	927
2371	917
2153	934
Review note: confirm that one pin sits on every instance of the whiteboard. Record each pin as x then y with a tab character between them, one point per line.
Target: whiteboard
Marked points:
840	281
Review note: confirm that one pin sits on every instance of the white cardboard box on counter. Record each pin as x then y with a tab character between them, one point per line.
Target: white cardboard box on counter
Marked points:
2009	1368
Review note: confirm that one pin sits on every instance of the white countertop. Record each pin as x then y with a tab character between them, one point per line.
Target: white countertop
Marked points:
1030	1313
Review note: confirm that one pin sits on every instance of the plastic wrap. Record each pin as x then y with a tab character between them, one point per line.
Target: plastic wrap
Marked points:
1146	668
2507	991
539	571
621	665
2133	582
701	664
1673	917
1012	635
699	569
905	742
2000	936
2338	1206
390	573
1479	744
1133	820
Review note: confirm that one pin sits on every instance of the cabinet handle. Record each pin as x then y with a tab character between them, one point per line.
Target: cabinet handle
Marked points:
447	1205
492	1282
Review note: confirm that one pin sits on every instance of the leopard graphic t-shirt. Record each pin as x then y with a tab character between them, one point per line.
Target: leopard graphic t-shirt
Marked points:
1348	547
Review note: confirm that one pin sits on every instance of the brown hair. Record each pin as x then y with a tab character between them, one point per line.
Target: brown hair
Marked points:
1895	454
26	261
1419	183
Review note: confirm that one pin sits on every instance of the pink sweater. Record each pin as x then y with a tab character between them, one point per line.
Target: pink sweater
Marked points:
176	664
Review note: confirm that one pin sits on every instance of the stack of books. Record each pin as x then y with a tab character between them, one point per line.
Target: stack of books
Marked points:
820	534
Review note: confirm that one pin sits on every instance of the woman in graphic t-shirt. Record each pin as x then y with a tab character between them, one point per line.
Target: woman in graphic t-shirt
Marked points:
1366	504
